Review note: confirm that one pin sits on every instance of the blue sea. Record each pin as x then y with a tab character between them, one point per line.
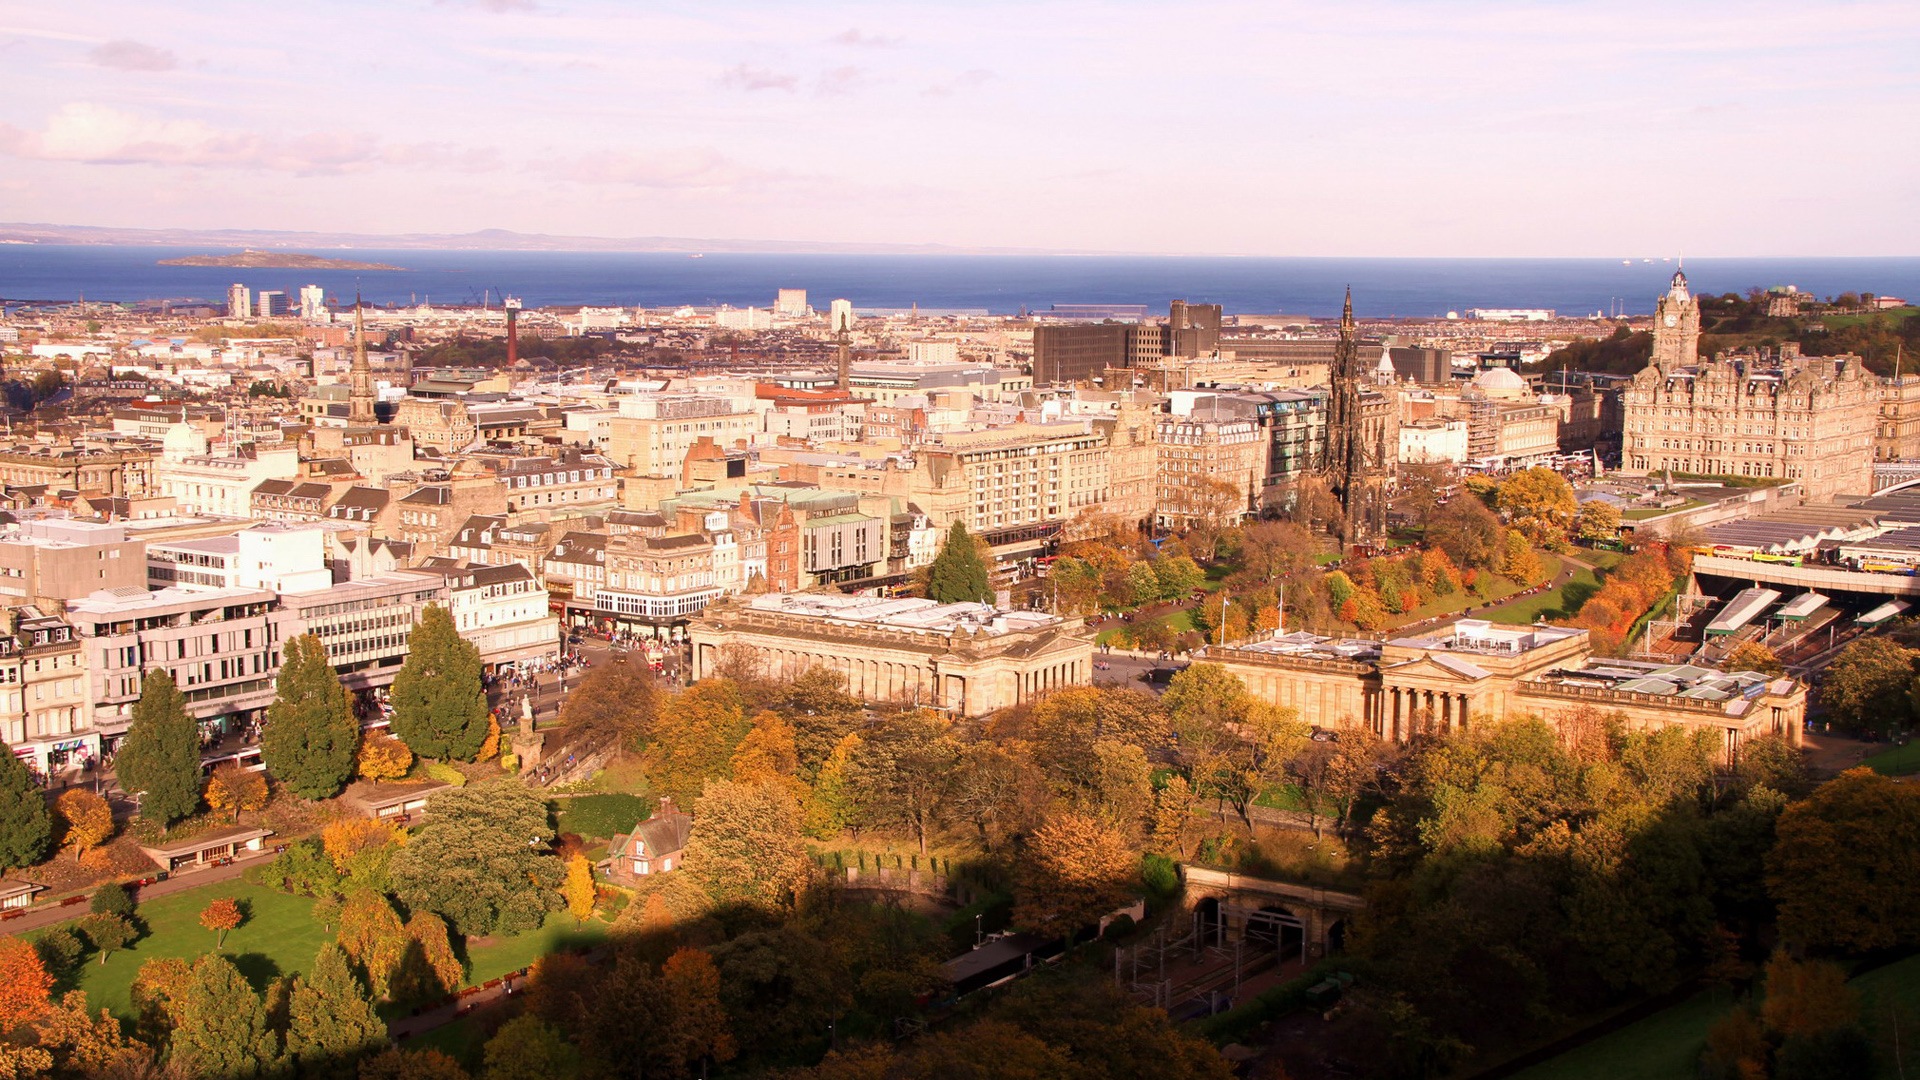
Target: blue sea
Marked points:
998	284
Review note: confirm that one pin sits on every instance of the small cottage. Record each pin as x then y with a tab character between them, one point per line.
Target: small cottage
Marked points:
654	845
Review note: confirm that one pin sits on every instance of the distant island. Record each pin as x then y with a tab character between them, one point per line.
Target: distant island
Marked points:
275	260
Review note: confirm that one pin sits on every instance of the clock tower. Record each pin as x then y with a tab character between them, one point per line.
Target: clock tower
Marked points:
1676	326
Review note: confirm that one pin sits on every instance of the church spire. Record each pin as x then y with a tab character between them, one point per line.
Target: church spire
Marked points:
360	394
1346	313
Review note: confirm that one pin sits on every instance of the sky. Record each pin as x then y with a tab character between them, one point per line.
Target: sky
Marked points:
1263	127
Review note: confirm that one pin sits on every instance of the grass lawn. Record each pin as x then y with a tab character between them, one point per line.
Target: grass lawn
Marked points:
1601	557
1561	600
489	958
1664	1046
1899	761
1890	1001
280	936
1641	513
602	817
1283	797
1460	601
1179	622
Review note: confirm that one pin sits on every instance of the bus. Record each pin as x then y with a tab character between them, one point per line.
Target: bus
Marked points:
1785	560
1882	566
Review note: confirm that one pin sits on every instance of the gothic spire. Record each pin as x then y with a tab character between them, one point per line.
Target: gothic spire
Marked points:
1346	313
360	395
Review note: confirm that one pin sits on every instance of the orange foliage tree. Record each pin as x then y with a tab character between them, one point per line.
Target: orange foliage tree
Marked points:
221	916
350	836
25	984
234	788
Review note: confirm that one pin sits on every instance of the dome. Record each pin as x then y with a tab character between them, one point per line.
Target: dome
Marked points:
182	440
1501	382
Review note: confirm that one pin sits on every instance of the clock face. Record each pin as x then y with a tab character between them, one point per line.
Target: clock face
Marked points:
1673	320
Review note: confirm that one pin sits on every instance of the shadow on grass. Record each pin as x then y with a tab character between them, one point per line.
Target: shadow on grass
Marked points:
259	969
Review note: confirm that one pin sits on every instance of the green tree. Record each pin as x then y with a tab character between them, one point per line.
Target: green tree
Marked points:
439	708
220	1024
526	1048
481	860
112	898
331	1023
1866	688
614	704
959	573
745	846
159	760
1178	575
311	738
26	827
106	933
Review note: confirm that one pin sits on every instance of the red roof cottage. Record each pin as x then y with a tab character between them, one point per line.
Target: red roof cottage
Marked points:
654	845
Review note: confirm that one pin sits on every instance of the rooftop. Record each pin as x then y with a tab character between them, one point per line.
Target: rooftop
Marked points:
911	614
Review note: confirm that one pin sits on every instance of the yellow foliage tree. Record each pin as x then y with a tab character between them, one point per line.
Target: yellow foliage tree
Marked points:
579	888
490	746
88	820
350	836
384	758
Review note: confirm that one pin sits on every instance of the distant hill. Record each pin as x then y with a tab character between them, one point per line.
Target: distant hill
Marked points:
251	259
483	240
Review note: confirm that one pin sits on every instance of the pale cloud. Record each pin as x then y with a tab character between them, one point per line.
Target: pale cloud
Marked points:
860	40
496	6
966	80
842	80
127	55
94	134
743	77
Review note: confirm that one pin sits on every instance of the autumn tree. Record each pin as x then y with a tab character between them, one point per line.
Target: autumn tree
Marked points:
86	820
1272	550
1753	656
25	983
481	859
232	787
1866	687
428	969
26	829
613	705
159	760
903	773
767	755
694	737
331	1022
1597	521
1539	503
830	806
579	888
222	915
959	572
393	1063
383	757
1468	532
1174	807
311	738
822	713
1076	870
1844	871
439	708
221	1025
373	937
745	846
696	1030
89	1044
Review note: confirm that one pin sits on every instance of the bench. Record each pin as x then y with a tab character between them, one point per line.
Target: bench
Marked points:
13	913
72	900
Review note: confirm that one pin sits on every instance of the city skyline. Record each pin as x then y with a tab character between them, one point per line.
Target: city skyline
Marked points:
1388	129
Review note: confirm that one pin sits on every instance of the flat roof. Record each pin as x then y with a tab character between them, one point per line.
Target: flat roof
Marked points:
1882	613
914	614
1488	638
233	834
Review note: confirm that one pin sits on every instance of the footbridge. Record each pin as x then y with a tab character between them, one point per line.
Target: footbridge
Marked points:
1823	579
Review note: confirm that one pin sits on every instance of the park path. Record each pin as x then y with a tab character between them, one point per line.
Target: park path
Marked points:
40	918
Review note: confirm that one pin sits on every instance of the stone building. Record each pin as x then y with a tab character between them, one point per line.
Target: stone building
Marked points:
970	659
77	468
1773	415
1212	467
1475	673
